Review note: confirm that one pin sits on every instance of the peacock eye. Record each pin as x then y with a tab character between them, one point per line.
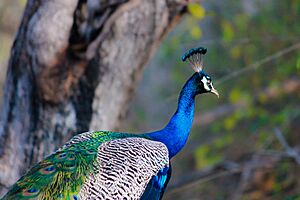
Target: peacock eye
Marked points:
208	79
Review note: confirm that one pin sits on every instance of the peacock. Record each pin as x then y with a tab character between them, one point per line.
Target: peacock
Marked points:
115	165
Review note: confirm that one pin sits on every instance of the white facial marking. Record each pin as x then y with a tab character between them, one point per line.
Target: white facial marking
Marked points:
204	81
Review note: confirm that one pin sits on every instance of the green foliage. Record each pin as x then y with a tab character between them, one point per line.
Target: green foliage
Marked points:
196	10
298	62
204	156
228	31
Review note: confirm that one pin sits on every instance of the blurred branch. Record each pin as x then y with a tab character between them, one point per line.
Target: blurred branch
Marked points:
259	63
217	113
238	41
244	168
195	178
289	150
246	173
244	179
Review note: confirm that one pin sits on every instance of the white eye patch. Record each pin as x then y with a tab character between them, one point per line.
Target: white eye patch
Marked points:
204	81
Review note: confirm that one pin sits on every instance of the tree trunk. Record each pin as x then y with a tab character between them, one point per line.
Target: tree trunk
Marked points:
73	67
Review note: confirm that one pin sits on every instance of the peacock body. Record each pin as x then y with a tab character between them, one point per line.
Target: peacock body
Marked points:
113	165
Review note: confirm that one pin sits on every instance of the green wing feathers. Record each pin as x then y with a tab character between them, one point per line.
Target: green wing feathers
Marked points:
61	175
58	176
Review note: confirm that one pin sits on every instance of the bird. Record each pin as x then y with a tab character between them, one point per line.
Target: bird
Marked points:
116	165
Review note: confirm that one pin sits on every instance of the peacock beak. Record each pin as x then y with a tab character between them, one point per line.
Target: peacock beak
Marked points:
214	91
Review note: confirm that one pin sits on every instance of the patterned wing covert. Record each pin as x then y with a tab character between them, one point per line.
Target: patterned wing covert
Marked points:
123	169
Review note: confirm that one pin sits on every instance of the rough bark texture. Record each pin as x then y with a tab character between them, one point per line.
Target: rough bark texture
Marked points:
73	67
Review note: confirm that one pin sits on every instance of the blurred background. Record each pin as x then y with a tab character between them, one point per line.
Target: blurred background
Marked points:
243	145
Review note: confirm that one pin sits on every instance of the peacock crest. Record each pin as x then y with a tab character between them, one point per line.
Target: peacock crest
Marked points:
194	57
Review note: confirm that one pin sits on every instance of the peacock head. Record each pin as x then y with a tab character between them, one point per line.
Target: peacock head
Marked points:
203	80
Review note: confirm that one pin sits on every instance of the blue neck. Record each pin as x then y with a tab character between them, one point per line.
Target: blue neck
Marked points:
175	134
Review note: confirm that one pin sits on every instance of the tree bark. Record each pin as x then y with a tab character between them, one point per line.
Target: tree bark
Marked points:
73	67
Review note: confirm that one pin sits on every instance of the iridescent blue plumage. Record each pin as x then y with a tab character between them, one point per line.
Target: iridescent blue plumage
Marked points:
176	132
157	185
